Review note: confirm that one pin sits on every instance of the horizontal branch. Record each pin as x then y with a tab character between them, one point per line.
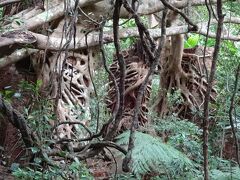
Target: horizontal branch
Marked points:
16	56
147	7
12	40
49	15
99	7
233	20
93	38
8	2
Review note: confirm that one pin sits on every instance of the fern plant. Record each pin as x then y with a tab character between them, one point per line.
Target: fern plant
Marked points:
227	174
151	155
181	134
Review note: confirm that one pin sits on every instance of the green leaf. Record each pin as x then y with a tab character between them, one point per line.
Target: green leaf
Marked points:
34	150
39	83
37	160
46	156
8	93
19	22
14	166
192	41
62	153
226	174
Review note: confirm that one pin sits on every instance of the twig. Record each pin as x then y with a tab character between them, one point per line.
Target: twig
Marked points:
142	29
88	17
115	162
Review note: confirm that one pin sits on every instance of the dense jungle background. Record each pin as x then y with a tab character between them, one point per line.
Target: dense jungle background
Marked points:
119	89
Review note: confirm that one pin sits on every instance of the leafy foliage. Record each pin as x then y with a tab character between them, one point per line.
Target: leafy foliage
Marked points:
40	112
150	154
39	116
181	134
228	174
99	102
192	41
75	170
228	61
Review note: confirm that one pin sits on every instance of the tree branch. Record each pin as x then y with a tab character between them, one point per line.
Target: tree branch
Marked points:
12	40
176	10
8	2
16	56
93	38
148	7
49	15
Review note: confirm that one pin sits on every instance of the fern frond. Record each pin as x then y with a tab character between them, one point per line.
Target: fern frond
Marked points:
150	154
230	174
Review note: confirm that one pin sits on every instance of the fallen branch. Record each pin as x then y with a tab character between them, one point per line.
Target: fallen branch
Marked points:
71	123
89	150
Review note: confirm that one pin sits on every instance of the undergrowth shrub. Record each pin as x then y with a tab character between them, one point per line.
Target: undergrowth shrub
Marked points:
39	115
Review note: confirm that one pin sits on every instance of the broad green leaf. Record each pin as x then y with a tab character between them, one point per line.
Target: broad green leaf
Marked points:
34	150
192	41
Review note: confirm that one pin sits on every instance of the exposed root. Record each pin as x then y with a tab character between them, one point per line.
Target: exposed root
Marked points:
189	80
136	71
